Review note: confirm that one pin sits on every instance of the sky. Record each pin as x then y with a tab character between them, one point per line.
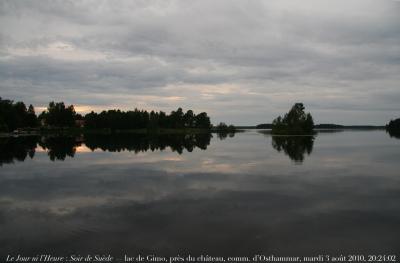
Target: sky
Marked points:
243	62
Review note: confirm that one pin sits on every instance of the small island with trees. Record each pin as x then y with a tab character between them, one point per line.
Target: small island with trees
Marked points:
295	122
393	128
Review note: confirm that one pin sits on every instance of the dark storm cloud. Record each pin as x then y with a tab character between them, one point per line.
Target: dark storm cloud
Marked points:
327	54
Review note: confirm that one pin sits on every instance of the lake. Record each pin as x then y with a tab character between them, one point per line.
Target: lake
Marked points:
334	193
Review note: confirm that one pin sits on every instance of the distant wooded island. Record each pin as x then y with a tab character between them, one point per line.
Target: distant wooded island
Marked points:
329	126
16	116
295	122
393	128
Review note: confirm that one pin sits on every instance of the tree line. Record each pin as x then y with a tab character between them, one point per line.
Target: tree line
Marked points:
14	115
141	119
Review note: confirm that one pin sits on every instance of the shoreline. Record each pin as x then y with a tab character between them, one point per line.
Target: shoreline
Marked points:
79	131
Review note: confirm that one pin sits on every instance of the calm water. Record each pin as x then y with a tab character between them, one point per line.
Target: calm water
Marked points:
336	193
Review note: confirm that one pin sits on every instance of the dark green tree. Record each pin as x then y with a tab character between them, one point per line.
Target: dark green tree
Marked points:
16	115
188	119
176	118
295	122
31	119
202	121
8	115
59	115
393	128
3	125
153	120
121	120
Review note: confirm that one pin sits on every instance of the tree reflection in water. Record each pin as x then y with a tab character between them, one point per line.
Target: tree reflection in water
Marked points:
222	135
145	142
294	146
393	134
60	147
17	149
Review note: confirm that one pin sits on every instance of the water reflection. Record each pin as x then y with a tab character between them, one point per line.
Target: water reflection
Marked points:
144	142
394	134
294	146
58	148
223	135
16	149
344	201
61	147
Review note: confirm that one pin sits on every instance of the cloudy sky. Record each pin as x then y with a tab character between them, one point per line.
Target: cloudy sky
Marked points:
243	62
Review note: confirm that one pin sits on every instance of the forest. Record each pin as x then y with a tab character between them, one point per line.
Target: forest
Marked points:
15	115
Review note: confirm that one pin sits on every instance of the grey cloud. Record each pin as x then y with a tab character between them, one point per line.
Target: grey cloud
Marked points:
145	46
